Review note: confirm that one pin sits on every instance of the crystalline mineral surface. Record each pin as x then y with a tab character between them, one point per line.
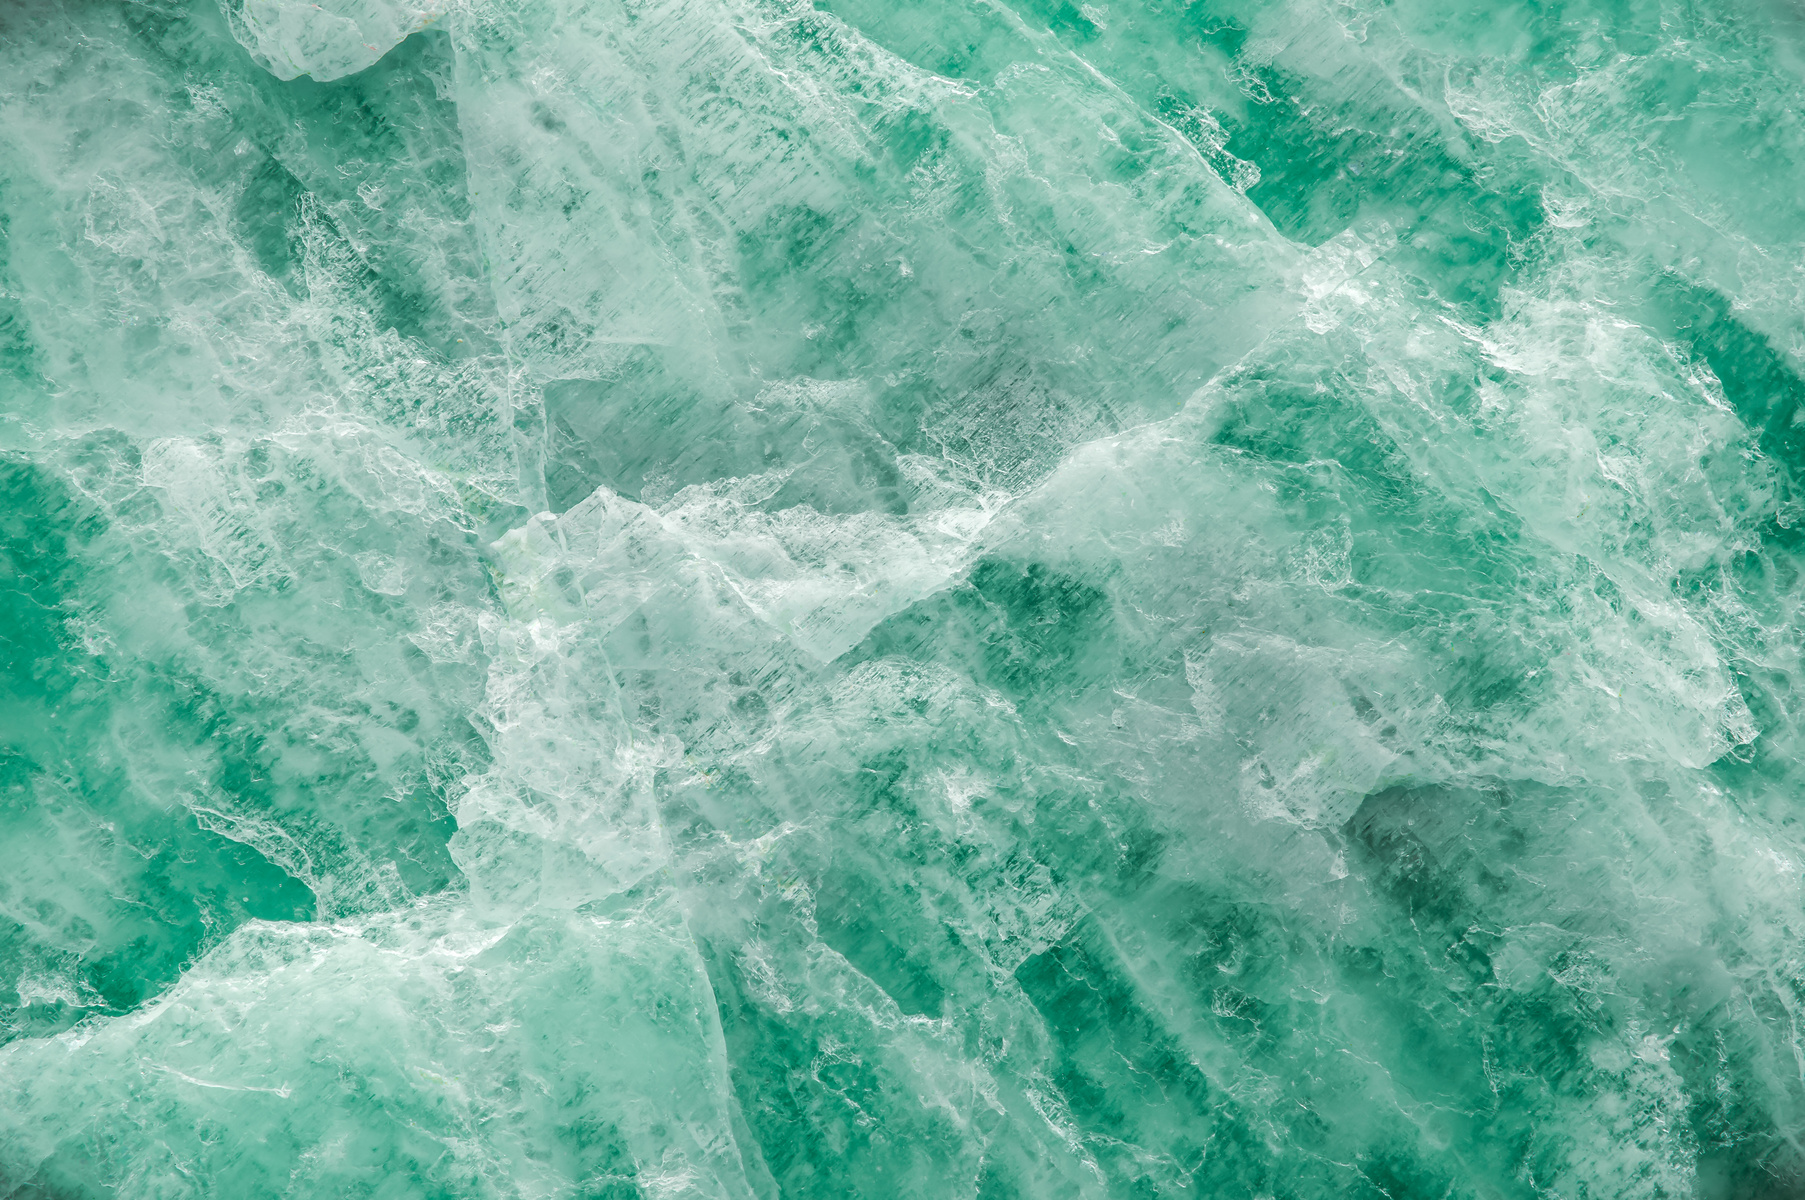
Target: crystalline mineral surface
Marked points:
747	598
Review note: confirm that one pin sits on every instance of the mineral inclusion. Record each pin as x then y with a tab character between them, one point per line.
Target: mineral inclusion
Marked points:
938	599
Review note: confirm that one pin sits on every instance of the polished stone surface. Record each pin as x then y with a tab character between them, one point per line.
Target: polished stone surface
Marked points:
745	598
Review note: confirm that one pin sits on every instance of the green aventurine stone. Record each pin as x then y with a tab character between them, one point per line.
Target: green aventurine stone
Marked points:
732	598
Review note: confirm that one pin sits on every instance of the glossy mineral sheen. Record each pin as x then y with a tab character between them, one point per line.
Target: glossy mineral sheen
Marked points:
754	599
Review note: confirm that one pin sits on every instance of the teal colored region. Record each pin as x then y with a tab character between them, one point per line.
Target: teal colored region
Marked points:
776	600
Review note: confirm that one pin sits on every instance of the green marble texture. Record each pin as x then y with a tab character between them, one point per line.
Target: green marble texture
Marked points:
964	599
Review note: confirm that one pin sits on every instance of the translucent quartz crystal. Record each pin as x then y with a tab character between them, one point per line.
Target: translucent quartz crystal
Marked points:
326	40
748	598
